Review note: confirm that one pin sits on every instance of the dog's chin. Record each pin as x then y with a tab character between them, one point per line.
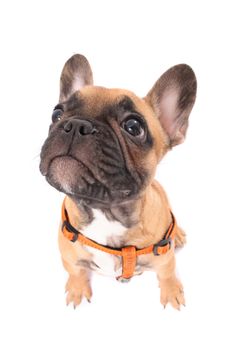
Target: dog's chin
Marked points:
70	176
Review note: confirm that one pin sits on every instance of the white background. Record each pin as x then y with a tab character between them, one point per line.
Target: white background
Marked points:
129	44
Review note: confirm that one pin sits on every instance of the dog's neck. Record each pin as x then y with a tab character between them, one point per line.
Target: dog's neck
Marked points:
126	213
149	216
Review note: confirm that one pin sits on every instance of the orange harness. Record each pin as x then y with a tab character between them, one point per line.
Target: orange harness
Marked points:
129	254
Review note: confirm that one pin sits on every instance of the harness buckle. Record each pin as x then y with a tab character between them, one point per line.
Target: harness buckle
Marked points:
162	244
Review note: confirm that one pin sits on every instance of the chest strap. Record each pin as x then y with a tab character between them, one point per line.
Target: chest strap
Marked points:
129	254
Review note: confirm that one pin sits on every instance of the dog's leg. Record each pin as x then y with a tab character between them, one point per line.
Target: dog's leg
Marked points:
180	238
78	284
171	288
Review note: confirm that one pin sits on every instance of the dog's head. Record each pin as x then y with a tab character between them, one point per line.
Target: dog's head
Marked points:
104	144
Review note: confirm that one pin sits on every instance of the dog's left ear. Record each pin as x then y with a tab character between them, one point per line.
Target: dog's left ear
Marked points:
75	74
172	97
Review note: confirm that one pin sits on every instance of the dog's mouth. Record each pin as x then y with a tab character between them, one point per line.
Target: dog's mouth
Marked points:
70	176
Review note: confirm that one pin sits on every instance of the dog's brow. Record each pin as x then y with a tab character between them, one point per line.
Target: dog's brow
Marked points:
126	103
75	101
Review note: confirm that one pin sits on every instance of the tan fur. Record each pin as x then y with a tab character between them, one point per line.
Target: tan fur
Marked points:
166	109
151	229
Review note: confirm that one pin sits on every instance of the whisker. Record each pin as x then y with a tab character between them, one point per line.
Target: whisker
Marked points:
37	156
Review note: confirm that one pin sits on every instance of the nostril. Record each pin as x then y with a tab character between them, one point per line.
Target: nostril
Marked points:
83	130
82	127
68	126
86	128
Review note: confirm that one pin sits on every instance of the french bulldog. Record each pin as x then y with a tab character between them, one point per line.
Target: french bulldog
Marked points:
102	152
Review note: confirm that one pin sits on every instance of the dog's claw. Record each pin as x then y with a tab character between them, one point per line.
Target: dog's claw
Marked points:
172	292
77	289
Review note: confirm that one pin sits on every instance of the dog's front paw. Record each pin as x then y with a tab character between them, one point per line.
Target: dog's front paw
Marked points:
77	287
172	292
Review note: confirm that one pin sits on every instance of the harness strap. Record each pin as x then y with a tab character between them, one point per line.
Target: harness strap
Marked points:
129	254
129	257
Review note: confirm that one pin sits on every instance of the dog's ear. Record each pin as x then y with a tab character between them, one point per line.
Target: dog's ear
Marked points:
75	74
173	96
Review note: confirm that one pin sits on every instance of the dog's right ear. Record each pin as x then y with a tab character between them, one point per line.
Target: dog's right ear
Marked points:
75	74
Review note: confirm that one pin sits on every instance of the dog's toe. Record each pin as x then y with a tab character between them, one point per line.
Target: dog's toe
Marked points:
172	292
76	289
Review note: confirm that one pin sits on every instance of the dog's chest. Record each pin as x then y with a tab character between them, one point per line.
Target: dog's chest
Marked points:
103	231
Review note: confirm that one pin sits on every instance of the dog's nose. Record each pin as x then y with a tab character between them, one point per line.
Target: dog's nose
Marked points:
83	127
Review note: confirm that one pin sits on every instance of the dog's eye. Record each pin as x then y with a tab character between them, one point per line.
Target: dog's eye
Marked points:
57	114
134	127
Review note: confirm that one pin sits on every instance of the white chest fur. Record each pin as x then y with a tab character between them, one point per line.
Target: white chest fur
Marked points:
101	230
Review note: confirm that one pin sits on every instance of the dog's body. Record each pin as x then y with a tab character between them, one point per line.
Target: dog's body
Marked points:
102	152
